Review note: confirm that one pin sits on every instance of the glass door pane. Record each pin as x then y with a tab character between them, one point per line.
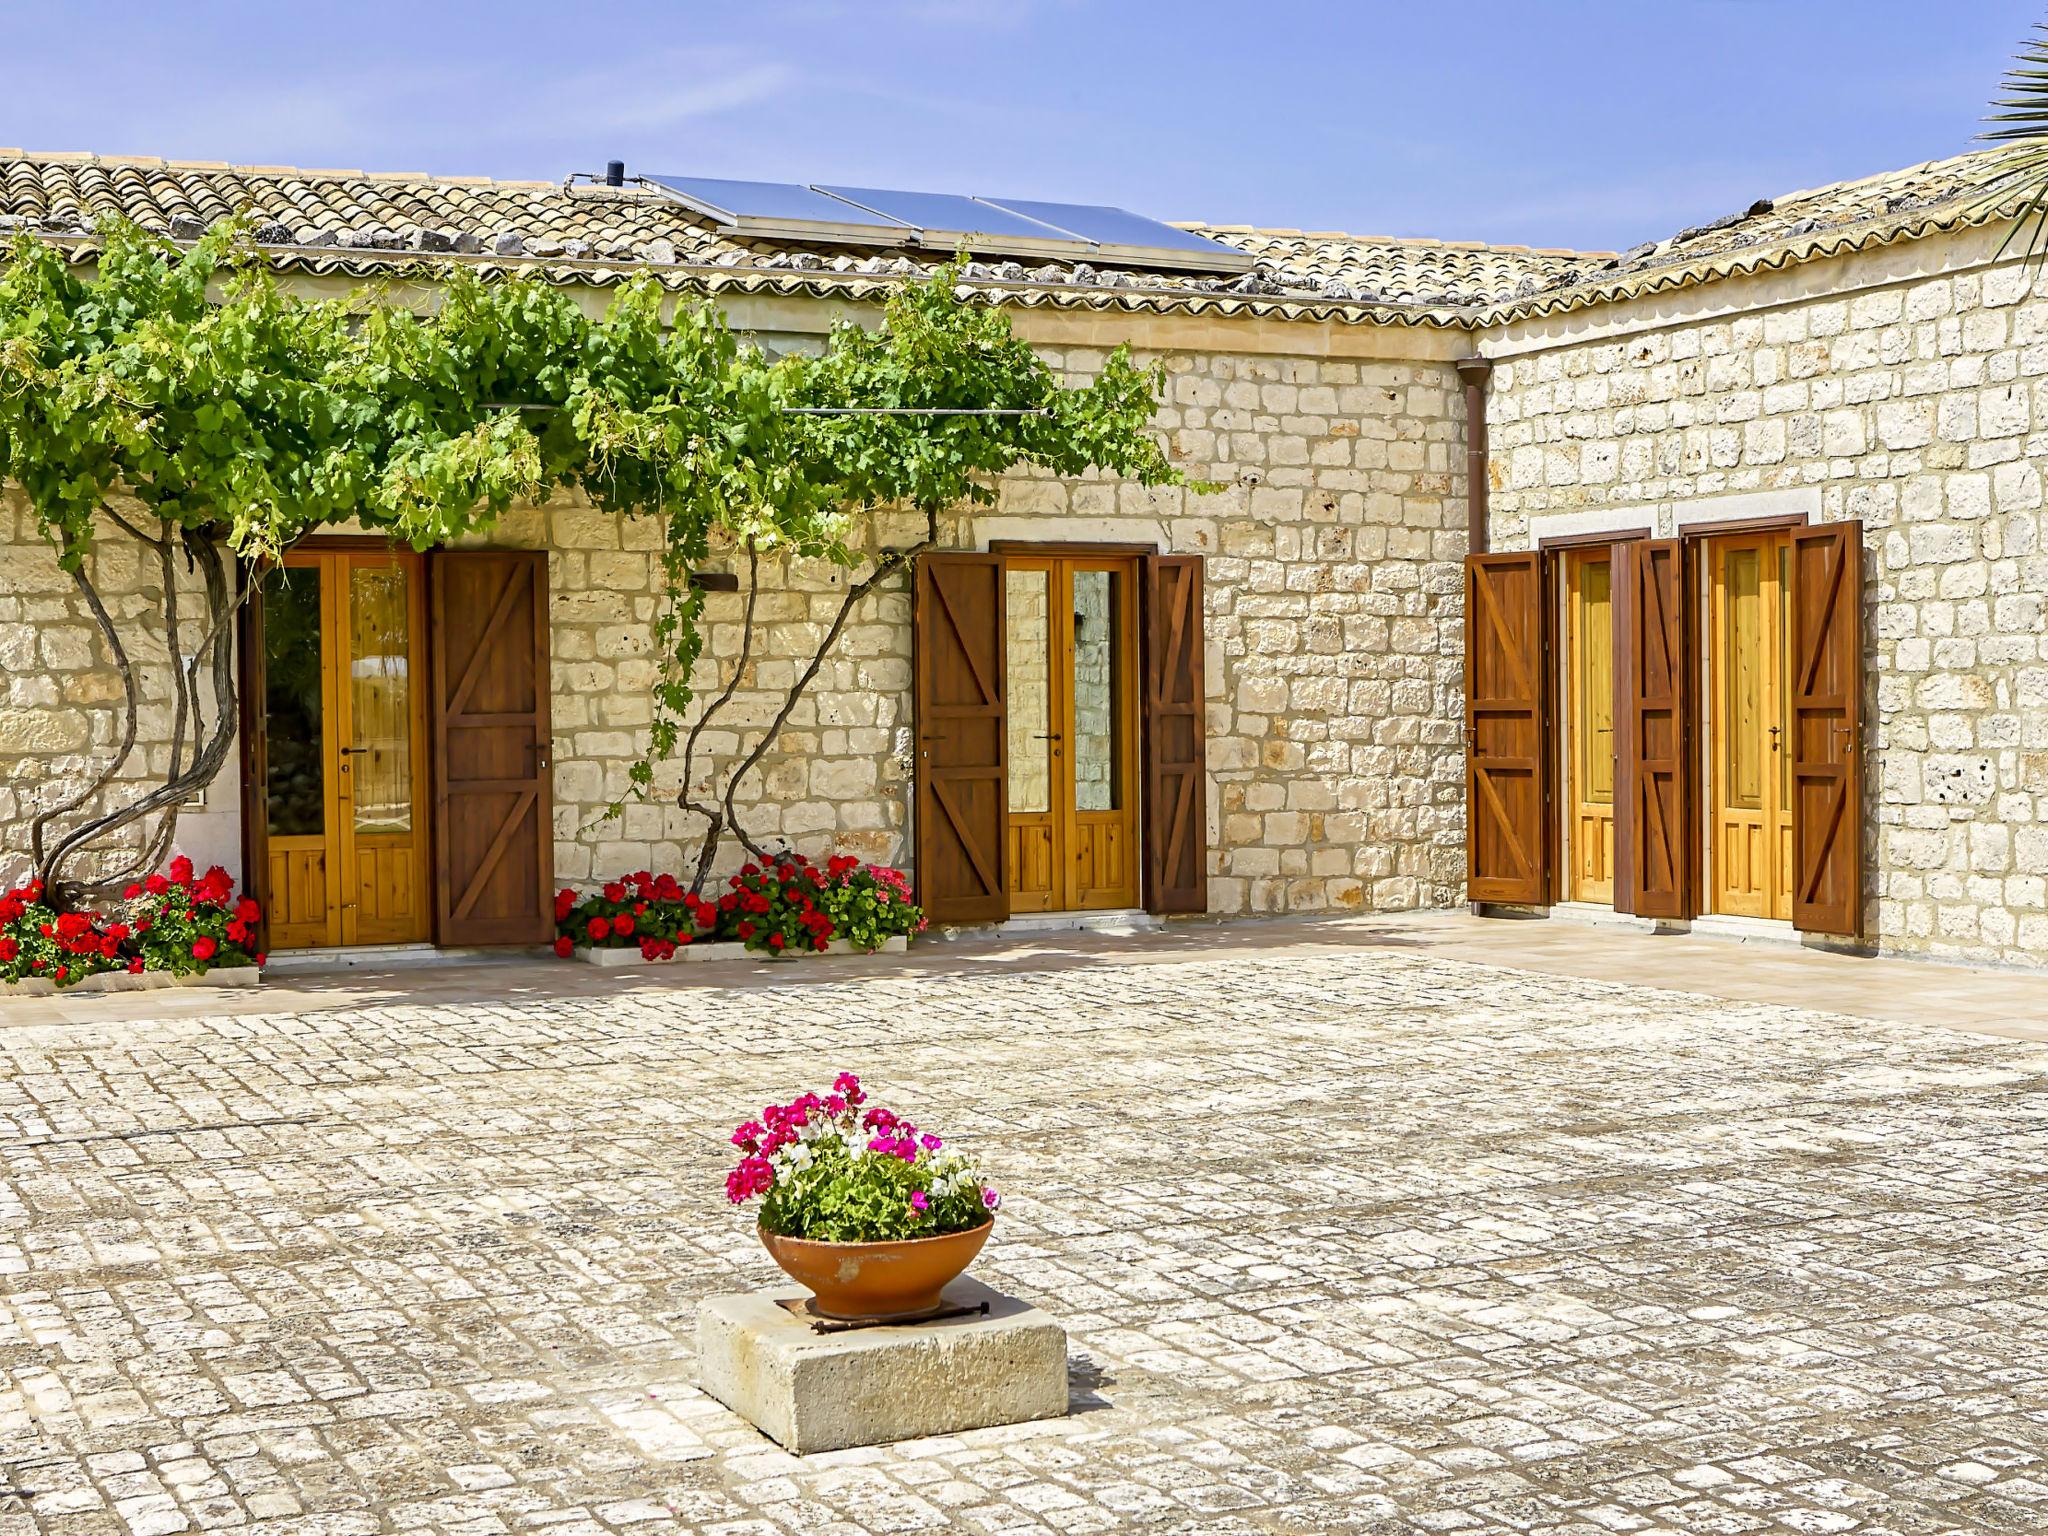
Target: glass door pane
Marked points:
1098	687
1028	656
297	796
380	696
1742	698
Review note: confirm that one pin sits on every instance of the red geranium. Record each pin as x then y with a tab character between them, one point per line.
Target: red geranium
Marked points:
203	948
565	946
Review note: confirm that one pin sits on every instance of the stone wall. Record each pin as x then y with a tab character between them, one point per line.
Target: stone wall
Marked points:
1332	629
1332	632
60	705
1908	388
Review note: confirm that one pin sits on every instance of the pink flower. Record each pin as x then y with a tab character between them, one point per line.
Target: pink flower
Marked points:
748	1136
849	1085
930	1142
991	1199
919	1203
754	1176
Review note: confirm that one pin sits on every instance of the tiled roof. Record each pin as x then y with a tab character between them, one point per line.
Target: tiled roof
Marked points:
1775	233
362	225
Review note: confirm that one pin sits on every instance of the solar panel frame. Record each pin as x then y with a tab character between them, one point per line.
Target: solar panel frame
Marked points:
1117	234
783	210
827	214
948	221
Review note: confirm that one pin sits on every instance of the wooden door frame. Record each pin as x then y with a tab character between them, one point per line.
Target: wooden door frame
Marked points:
1552	550
251	687
1698	539
1059	559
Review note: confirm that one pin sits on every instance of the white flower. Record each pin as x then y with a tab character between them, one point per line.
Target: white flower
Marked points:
795	1157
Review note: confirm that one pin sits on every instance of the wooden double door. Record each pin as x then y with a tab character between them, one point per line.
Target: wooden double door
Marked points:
396	749
1070	785
346	795
1059	700
1672	726
1748	712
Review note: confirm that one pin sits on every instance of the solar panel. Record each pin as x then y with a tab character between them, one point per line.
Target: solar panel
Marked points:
1118	231
782	208
944	219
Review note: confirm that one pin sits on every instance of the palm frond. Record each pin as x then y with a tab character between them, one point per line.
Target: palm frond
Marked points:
2015	181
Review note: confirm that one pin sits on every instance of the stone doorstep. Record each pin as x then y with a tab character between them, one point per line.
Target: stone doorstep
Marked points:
871	1386
143	981
713	954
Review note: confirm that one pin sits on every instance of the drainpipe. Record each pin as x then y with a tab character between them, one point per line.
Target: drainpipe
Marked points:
1473	373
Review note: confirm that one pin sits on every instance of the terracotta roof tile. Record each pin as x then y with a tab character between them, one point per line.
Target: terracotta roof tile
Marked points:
351	223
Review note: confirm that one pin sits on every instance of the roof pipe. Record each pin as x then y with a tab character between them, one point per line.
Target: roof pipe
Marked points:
1473	373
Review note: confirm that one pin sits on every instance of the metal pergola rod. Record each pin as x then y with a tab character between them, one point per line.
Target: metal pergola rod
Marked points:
840	410
908	410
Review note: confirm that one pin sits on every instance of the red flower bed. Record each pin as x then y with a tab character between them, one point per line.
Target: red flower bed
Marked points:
777	908
177	921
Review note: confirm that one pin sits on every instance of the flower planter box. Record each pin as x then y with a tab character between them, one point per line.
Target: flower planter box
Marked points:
141	981
701	954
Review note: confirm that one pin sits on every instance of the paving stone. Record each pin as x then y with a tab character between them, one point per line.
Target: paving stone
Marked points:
1345	1240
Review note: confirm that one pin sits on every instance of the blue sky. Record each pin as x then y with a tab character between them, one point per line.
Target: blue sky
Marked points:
1587	123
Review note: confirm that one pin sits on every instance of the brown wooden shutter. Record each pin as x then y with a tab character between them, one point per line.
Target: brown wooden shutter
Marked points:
962	738
1826	746
1176	762
253	716
494	838
1659	814
1506	833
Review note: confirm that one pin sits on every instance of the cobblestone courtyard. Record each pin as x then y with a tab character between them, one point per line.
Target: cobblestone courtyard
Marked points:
1346	1240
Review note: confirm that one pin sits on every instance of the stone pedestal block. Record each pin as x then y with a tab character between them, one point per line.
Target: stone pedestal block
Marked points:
868	1386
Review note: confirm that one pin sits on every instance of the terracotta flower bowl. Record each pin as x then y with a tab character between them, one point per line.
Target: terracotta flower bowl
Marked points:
877	1282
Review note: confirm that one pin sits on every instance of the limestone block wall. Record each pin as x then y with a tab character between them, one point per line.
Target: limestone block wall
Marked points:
1332	630
60	696
1908	388
1332	637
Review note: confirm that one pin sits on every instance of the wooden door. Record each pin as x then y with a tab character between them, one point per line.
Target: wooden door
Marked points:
343	749
1655	761
1749	809
958	696
1071	718
1591	745
1825	653
1175	745
494	843
1036	820
1506	818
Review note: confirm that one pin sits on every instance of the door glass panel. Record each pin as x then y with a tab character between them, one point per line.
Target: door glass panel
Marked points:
1596	689
297	789
380	697
1097	689
1028	656
1742	700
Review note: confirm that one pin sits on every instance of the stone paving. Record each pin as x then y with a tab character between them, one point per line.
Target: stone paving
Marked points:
1347	1241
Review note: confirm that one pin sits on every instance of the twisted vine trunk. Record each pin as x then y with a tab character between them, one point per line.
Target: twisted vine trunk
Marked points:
80	823
721	814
